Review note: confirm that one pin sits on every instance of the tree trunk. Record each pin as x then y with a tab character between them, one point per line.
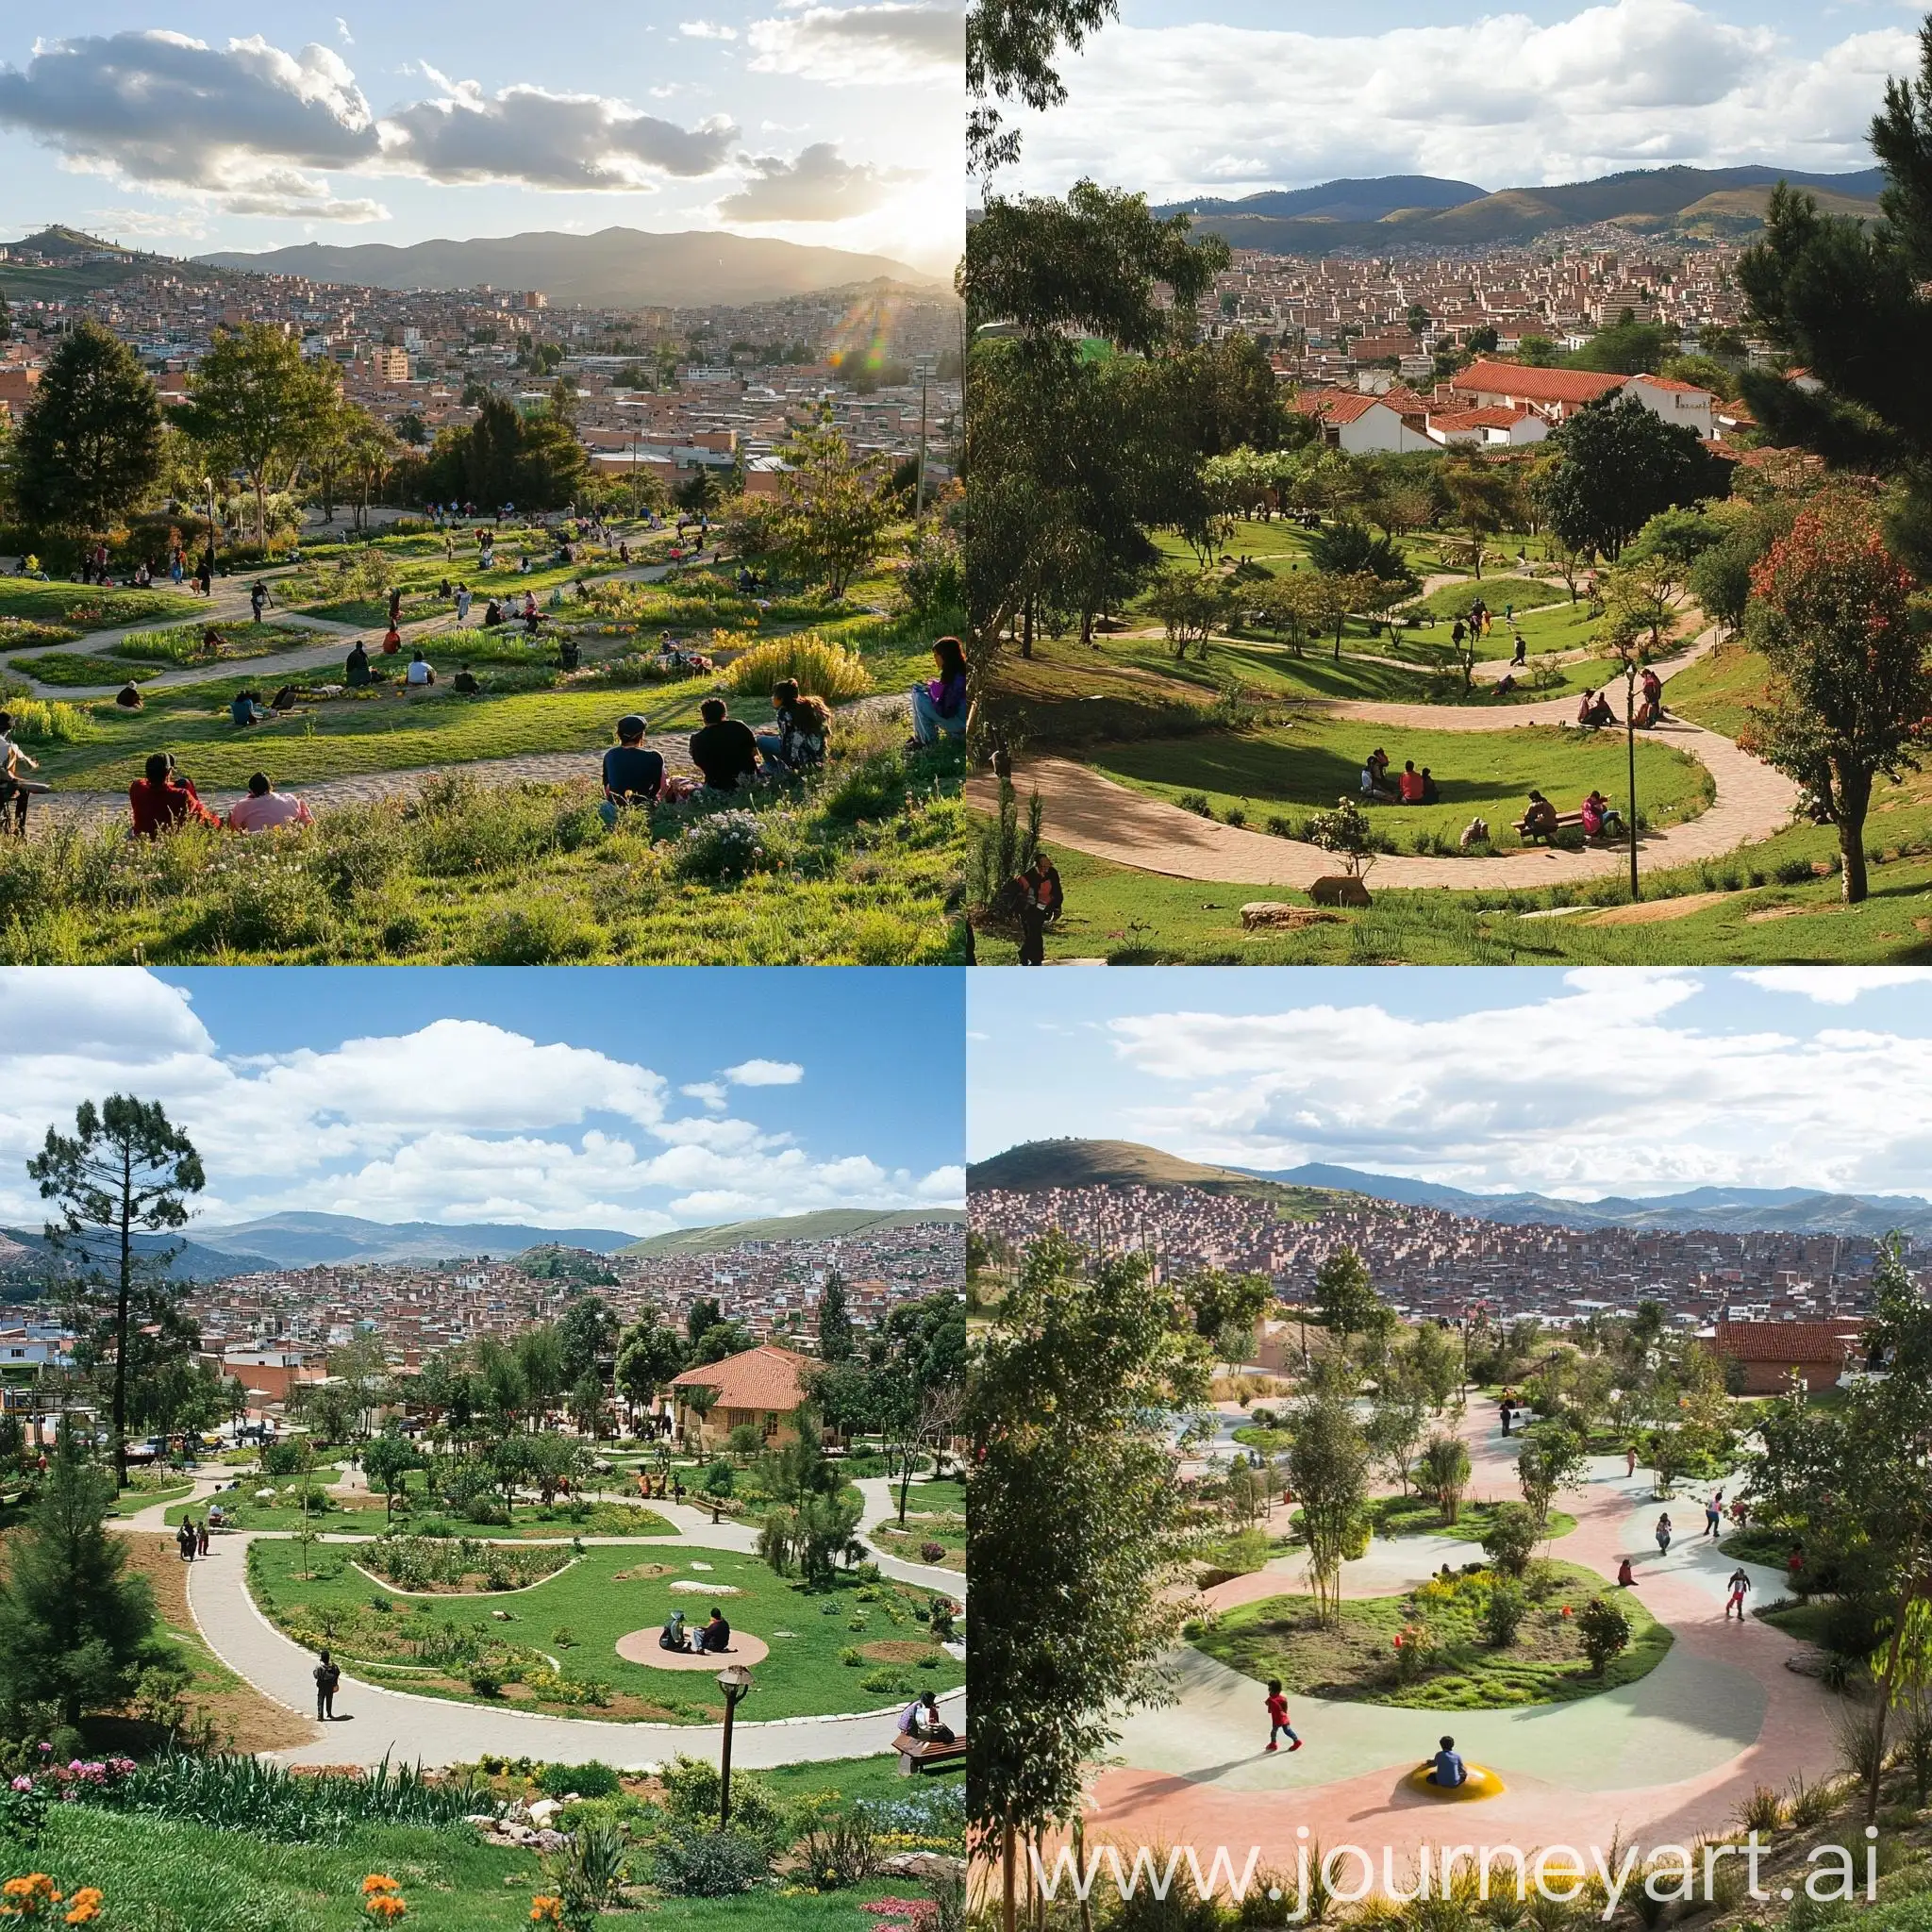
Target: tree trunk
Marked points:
1027	630
1854	800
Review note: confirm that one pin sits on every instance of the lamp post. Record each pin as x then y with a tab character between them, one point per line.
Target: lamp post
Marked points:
211	482
735	1681
1629	654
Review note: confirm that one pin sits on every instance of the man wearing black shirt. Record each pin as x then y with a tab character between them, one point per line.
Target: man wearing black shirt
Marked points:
632	776
724	749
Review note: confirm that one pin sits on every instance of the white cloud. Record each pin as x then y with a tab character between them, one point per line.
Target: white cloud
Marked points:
705	30
348	39
878	45
765	1073
456	1120
944	1187
1501	100
818	185
241	122
1834	986
1610	1085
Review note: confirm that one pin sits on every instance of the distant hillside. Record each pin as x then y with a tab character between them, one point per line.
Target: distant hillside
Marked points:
1736	1210
1037	1165
822	1225
1669	203
308	1240
614	268
24	1257
66	273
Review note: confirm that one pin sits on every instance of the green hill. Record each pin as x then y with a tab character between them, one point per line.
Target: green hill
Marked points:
822	1225
1035	1165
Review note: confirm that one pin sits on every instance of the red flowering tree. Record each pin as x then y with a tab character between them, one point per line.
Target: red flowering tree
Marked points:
1850	692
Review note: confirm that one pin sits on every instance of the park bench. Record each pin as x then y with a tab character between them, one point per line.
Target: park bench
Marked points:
1566	822
918	1755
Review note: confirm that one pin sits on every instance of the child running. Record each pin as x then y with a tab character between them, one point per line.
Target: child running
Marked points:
1279	1725
1739	1584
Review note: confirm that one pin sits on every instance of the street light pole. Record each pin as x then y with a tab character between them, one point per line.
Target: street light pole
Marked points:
1630	746
735	1681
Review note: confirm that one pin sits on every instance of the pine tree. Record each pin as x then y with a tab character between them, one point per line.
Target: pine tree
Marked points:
90	444
835	1321
74	1631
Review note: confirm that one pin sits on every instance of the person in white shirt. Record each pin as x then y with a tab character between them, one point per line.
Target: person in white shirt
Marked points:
264	808
419	670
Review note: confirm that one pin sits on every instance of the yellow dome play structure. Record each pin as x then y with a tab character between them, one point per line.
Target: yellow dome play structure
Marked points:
1478	1782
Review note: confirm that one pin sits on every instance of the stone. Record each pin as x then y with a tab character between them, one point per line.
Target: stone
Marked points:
929	1866
1260	915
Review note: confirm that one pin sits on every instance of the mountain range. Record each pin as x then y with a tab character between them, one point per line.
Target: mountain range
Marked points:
1315	1186
824	1225
615	268
1407	213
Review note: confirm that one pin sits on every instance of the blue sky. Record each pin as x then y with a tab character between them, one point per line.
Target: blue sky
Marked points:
256	126
1585	1083
638	1100
1228	96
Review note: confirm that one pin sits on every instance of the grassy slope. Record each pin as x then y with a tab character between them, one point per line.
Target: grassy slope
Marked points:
89	606
802	1676
359	1515
1313	761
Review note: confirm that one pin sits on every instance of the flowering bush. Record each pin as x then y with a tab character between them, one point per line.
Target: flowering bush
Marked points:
35	1900
382	1899
723	845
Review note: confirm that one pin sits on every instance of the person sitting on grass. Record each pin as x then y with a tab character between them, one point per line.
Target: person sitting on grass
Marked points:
938	705
1476	833
464	682
421	671
129	697
1595	711
632	776
165	798
358	668
673	1635
1409	785
805	723
1448	1769
212	643
1432	792
1540	821
723	748
391	641
716	1635
246	710
1505	686
264	808
568	653
15	790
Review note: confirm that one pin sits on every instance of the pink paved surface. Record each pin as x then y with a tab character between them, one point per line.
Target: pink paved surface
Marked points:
1133	1805
641	1647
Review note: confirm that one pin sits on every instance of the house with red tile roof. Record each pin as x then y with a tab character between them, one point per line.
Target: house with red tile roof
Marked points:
1675	401
1554	394
1768	1352
1361	423
1497	428
762	1387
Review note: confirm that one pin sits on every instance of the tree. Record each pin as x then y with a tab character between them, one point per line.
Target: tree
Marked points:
1344	1293
1616	466
1394	1430
649	1354
835	1343
1444	1472
833	507
1850	692
90	444
1226	1309
503	456
1329	1472
1010	49
1626	347
386	1462
1510	1538
1073	1500
253	405
586	1340
1487	499
1551	1459
75	1632
125	1171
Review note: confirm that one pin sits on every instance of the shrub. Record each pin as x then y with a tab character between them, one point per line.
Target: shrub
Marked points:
838	1851
1504	1610
543	933
823	666
590	1779
1510	1538
723	847
51	721
709	1864
1605	1631
1195	801
930	1552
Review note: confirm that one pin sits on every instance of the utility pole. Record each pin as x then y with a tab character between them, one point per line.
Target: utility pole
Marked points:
1630	746
924	384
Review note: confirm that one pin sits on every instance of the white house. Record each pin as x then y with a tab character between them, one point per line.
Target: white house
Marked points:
1675	401
1362	424
1496	428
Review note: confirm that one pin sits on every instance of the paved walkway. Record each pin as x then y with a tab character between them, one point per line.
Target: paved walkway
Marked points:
1092	813
375	1721
1658	1760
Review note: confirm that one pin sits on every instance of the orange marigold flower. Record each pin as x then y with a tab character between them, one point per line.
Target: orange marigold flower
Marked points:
385	1906
86	1906
545	1910
379	1881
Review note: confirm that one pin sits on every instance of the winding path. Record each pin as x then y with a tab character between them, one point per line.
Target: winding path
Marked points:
1091	813
1658	1761
375	1721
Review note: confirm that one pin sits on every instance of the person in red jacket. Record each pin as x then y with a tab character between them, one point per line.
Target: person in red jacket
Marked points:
1279	1725
165	799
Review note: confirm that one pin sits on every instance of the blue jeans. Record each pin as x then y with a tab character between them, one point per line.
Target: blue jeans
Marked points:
927	725
772	746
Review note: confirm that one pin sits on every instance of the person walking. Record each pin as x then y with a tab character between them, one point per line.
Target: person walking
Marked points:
201	1538
184	1541
1714	1515
1279	1725
1734	1594
1663	1534
1630	1460
327	1675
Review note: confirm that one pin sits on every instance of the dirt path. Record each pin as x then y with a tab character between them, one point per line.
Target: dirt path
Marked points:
1092	814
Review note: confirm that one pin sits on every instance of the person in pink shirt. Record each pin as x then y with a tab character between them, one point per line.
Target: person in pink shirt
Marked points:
264	808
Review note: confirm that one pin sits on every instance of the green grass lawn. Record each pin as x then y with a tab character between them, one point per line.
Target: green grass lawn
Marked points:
87	607
361	1515
77	669
603	1596
1498	594
173	1877
1394	1516
1355	1660
1314	761
183	644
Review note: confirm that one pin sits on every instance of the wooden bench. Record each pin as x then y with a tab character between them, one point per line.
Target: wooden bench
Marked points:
1566	822
918	1755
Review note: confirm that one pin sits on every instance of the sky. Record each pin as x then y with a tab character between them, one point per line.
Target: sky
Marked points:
1231	96
596	1097
189	126
1581	1084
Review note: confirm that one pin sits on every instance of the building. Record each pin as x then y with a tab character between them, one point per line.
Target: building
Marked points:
1769	1351
1359	424
762	1388
390	365
1554	394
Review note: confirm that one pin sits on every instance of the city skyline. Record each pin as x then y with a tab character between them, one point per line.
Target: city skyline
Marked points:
1578	1085
833	125
479	1095
1178	99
